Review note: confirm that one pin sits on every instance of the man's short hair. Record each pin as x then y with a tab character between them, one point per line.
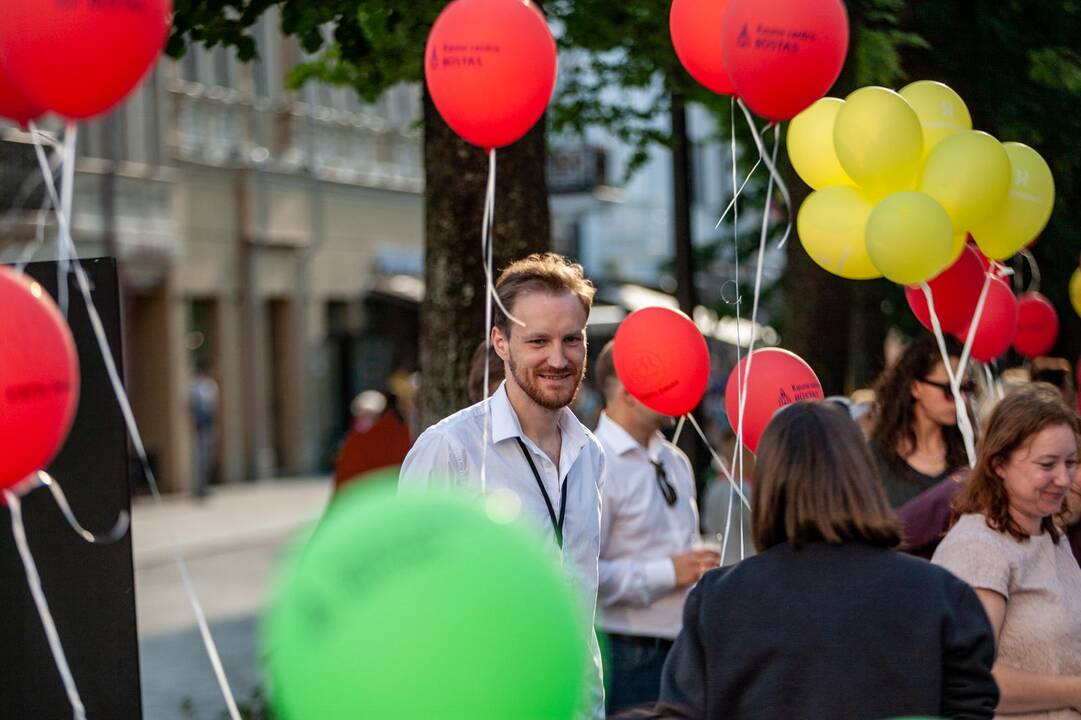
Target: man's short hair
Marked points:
604	370
540	272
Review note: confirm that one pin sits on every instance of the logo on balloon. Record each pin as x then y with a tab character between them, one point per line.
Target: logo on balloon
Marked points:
32	391
646	367
453	56
434	64
775	39
782	398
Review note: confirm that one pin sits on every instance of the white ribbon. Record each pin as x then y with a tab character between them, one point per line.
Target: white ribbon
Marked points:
125	406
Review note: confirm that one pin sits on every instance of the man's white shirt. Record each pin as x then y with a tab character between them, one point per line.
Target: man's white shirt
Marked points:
451	453
640	533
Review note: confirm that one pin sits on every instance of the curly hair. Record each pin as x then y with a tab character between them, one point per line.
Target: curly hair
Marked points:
896	406
1023	413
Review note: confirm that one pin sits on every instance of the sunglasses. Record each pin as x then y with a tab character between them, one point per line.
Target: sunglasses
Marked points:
967	388
667	489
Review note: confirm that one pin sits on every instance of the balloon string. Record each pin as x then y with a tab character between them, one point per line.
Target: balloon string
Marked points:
34	582
133	430
486	255
32	247
742	382
119	529
992	383
717	458
1034	269
67	190
771	165
737	455
964	424
735	197
679	429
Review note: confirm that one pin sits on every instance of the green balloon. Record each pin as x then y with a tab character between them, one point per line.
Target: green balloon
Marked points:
421	606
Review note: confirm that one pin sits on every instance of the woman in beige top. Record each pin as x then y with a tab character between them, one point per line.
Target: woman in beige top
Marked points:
1009	546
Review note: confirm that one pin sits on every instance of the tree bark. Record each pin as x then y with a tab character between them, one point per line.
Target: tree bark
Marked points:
686	292
452	313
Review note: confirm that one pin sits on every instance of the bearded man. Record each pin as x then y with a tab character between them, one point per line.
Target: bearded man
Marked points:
533	445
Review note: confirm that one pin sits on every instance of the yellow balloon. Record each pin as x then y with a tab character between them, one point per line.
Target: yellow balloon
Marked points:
969	174
941	111
910	238
810	145
1075	290
878	140
1026	209
831	225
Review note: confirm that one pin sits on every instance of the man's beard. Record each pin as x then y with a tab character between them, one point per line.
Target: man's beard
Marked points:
552	401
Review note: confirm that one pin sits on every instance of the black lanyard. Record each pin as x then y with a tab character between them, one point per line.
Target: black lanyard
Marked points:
556	526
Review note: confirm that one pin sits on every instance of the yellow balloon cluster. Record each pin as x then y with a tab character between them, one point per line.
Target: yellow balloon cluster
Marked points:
900	178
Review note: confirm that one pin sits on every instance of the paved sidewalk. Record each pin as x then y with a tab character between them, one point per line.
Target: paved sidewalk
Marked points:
231	542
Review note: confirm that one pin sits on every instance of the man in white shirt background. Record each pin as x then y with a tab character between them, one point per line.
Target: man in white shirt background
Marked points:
537	449
649	536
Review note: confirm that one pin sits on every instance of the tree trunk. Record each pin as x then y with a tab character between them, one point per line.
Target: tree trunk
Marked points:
686	292
452	313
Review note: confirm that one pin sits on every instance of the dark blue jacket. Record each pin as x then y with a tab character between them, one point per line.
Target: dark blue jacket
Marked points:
831	632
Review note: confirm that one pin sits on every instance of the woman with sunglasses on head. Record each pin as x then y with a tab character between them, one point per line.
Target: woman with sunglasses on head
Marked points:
1008	544
915	442
827	621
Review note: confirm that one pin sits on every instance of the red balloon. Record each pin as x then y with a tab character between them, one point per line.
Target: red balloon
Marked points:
491	68
13	105
80	58
662	359
998	323
782	55
1037	325
955	290
39	378
695	26
778	378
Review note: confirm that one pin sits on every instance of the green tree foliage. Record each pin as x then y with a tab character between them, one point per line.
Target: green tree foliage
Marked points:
369	46
1018	67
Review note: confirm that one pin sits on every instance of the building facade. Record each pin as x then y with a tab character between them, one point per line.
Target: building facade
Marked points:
251	225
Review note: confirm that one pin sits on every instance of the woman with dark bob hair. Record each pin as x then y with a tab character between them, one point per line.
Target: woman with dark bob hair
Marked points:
1008	544
827	621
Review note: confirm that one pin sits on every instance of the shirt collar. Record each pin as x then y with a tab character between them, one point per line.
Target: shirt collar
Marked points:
614	436
505	423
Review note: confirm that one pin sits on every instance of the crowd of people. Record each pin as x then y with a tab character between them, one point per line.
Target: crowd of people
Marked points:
838	614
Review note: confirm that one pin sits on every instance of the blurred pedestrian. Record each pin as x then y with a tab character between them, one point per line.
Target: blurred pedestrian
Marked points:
378	438
1008	544
649	541
536	450
827	621
203	403
915	442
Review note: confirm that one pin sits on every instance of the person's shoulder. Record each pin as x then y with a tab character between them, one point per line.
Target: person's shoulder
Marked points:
466	420
972	529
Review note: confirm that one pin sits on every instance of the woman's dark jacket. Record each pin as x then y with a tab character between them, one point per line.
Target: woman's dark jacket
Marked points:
831	632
